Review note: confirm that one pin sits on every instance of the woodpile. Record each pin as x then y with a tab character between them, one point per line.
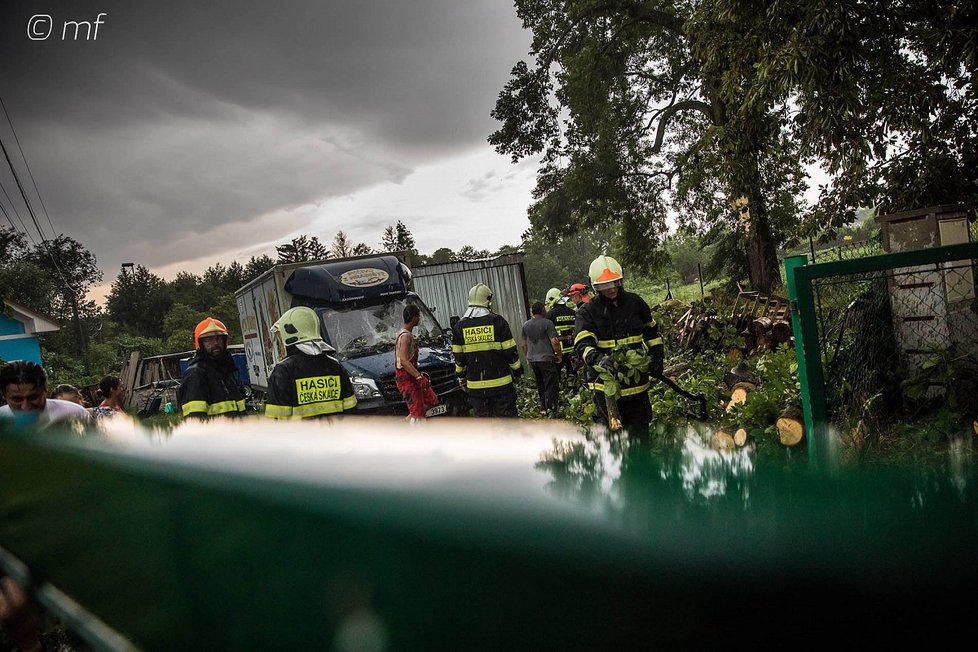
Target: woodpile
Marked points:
763	320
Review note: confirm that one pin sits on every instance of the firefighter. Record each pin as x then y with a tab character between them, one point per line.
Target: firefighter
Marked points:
615	318
562	315
309	383
578	294
487	361
210	386
553	295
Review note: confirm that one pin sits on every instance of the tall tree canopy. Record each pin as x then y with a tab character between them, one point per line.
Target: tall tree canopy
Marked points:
302	249
710	109
138	302
398	238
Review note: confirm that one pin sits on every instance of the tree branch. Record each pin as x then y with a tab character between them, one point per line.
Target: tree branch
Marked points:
672	110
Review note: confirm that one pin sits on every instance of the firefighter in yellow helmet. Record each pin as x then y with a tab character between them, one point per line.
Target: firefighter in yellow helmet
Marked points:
553	295
561	313
487	361
210	387
616	318
309	383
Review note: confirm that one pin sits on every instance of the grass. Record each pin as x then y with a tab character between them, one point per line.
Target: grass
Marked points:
655	291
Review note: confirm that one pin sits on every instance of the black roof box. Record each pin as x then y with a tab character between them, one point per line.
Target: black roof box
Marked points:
348	281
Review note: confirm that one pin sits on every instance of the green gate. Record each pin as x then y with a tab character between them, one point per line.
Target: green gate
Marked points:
872	332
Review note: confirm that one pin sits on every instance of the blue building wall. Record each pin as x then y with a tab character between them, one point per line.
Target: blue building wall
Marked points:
21	348
9	326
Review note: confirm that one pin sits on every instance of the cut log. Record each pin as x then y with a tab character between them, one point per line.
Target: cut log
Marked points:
722	440
781	331
740	390
739	393
740	437
791	427
759	326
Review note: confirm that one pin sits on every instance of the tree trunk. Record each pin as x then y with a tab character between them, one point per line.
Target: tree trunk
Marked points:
762	257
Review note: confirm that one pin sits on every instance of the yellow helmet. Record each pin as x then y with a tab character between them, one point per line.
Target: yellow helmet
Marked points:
297	325
553	295
480	295
605	272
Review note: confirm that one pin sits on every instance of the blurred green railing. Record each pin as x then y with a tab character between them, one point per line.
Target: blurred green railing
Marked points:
475	535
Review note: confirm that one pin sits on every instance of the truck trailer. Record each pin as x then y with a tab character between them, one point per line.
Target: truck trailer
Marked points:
360	302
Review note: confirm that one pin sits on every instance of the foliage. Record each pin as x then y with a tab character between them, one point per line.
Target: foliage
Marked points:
302	249
954	369
138	301
639	108
343	247
561	260
687	256
839	67
778	389
629	112
397	237
256	266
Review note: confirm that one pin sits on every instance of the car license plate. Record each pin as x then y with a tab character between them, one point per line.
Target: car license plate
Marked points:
435	411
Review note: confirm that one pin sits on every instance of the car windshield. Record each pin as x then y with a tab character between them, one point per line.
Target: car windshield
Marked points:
367	329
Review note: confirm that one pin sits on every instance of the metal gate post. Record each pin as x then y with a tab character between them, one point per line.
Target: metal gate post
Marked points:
807	354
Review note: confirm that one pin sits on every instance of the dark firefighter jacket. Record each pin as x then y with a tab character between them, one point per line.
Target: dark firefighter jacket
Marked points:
305	386
485	353
563	317
603	325
211	387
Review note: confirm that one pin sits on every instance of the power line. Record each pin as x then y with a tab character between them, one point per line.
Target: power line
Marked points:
20	187
7	215
28	166
13	207
30	210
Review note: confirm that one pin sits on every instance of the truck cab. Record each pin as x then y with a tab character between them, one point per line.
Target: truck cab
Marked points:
360	303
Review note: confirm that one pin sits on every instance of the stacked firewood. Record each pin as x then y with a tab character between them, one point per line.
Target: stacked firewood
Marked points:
762	320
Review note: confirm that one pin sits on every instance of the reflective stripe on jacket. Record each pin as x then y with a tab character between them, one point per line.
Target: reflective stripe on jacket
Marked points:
563	318
485	353
308	386
603	325
211	388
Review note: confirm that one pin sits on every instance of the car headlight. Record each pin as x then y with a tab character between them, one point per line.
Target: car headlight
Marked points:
365	387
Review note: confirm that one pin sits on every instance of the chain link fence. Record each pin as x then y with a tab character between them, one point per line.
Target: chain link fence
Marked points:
897	340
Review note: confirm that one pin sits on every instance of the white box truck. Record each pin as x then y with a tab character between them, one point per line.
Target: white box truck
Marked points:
360	302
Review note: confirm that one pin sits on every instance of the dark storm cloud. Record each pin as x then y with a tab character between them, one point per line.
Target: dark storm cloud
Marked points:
185	117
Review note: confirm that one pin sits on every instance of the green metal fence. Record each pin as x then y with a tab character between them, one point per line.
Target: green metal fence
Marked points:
879	336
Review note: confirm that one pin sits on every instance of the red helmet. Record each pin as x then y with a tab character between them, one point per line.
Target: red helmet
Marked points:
577	289
209	326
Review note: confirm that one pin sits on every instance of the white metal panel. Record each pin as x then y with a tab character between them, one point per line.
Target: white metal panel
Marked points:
445	287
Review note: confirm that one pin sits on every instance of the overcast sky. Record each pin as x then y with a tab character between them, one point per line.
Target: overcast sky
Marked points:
186	133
